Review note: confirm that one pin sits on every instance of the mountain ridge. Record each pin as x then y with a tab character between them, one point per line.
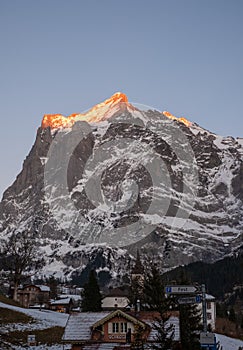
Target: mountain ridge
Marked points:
208	226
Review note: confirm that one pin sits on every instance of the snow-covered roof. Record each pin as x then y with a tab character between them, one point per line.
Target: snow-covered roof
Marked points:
43	288
210	297
73	296
64	301
104	346
79	325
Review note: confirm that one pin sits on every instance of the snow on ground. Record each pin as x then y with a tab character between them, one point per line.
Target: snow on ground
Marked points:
229	343
44	319
45	347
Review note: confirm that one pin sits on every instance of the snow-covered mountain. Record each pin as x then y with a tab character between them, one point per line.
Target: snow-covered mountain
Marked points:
97	186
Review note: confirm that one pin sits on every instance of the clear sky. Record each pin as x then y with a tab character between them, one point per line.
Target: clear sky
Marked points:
184	56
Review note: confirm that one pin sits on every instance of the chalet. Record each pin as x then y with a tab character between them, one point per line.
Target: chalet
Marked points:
31	295
114	330
64	305
116	299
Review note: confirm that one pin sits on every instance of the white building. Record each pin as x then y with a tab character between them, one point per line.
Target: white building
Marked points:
211	310
116	299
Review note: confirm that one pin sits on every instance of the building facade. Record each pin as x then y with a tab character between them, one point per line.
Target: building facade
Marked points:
211	311
116	299
31	295
113	330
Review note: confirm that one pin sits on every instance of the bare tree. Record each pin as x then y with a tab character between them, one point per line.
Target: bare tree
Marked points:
21	257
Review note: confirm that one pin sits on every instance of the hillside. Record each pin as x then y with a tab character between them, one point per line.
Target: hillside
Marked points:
220	277
17	323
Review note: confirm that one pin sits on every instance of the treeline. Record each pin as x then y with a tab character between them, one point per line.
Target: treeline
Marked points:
219	277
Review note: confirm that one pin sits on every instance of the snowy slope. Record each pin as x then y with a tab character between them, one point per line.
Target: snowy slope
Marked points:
44	319
229	343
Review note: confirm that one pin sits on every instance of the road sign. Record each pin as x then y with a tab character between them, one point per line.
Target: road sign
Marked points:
181	289
190	300
207	338
209	347
31	340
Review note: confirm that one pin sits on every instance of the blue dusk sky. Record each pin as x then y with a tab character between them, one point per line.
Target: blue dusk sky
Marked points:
184	56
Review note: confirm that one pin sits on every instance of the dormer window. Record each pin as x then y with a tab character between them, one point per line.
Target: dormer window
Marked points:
123	327
119	327
115	327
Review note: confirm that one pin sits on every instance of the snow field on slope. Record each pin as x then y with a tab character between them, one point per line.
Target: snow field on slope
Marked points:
44	319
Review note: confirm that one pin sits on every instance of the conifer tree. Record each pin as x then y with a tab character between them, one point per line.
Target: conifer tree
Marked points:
154	295
52	282
155	300
189	327
91	296
137	279
164	333
190	319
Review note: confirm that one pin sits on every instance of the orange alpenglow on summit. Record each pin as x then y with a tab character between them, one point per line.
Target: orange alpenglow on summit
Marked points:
94	115
181	120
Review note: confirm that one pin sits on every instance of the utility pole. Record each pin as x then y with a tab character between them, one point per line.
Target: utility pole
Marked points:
204	308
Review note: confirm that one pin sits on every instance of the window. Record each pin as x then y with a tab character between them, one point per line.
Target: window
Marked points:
209	316
208	305
100	328
115	327
123	327
119	327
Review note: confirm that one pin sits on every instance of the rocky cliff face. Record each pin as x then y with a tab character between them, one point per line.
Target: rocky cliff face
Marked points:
97	186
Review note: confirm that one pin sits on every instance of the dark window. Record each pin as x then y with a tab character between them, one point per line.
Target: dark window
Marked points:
123	327
115	327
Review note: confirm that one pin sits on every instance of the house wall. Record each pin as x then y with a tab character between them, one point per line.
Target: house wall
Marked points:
211	313
30	295
77	347
119	335
114	302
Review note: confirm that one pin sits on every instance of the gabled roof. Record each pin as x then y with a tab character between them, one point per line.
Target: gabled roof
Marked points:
42	288
78	327
119	313
64	301
117	292
210	297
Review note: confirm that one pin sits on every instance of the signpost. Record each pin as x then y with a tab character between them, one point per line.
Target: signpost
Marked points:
208	341
190	290
181	290
189	300
207	338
